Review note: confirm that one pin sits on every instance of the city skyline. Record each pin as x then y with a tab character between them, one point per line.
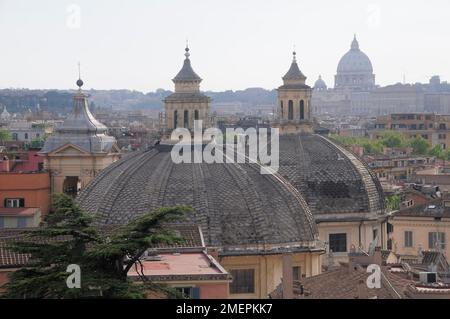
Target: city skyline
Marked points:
141	46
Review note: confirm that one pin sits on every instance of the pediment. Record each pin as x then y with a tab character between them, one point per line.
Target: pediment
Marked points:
69	149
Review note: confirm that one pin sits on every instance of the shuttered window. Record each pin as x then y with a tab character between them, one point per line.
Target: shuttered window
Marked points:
436	240
243	281
408	238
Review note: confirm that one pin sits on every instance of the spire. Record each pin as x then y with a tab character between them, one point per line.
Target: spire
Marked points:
79	81
294	72
355	44
187	73
187	54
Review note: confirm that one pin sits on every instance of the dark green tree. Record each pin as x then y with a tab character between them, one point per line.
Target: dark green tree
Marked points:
104	255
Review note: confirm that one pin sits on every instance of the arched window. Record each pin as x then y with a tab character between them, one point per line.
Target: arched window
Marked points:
196	115
175	119
291	110
186	118
302	110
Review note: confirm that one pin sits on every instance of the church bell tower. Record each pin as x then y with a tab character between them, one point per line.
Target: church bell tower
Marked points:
294	102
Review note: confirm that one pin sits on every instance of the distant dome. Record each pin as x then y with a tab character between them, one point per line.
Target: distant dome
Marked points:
320	84
355	69
355	61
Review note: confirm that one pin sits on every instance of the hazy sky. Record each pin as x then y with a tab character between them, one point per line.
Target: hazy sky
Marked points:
235	44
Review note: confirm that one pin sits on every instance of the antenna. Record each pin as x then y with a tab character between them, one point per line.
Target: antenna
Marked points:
79	70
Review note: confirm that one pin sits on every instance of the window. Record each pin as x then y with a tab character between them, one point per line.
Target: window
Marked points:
302	110
189	292
338	243
196	115
282	109
408	238
186	118
374	233
2	222
175	119
15	136
296	273
21	222
26	136
14	202
290	110
243	281
436	240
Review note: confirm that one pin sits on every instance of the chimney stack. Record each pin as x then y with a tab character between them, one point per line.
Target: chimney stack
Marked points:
6	164
287	280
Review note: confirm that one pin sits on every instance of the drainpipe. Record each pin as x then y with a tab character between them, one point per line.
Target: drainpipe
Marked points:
359	233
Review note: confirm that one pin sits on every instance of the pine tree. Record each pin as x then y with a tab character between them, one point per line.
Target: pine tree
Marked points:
104	256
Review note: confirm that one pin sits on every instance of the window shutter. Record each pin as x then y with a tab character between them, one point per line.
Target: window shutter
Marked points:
195	293
22	202
5	203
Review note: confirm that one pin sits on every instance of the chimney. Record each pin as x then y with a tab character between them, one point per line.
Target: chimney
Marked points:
6	164
213	252
377	257
362	290
287	280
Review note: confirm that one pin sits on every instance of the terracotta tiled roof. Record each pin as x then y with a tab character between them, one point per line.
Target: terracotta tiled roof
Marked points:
346	283
8	259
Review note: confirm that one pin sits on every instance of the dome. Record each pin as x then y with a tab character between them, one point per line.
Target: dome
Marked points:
355	61
234	204
80	128
320	84
335	183
355	69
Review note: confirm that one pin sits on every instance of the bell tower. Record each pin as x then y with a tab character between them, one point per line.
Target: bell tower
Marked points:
294	102
187	104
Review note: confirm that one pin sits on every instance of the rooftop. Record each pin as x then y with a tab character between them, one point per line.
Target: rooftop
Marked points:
180	266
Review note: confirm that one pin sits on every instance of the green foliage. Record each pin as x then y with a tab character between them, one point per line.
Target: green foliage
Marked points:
390	139
420	145
4	135
37	142
393	139
67	237
393	202
437	151
371	147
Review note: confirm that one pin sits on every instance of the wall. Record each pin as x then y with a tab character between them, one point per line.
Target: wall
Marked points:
85	167
33	187
420	226
268	270
352	229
